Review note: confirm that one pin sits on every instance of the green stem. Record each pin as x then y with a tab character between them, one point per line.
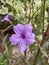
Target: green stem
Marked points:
43	14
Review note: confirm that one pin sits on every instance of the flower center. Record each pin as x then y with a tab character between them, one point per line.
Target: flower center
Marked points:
23	36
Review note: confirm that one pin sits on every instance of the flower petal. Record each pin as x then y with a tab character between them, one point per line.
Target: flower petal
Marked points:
30	38
28	28
18	28
6	18
14	39
22	45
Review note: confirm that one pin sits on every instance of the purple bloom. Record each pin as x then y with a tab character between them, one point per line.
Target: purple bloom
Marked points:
23	36
6	18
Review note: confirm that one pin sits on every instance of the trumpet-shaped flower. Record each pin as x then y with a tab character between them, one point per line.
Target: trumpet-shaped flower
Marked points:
23	36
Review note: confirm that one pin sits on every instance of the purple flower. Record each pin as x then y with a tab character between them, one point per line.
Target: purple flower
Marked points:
6	18
23	36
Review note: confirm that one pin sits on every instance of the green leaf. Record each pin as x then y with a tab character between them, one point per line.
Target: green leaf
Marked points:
4	41
4	10
1	56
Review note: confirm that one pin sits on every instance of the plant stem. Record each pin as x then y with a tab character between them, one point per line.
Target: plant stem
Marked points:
43	14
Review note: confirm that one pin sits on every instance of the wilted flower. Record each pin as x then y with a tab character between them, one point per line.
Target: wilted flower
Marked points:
23	36
6	18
